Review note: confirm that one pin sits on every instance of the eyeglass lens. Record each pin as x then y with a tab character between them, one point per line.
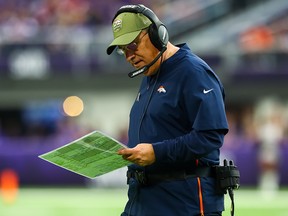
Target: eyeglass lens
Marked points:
132	46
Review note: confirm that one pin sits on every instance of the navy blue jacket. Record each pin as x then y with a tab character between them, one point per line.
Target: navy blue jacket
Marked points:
181	112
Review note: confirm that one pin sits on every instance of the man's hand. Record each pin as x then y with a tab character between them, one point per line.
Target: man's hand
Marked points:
142	154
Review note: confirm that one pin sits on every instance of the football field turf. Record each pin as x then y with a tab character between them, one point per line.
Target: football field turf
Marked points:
110	202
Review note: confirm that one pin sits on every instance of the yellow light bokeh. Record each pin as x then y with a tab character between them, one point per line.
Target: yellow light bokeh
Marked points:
73	106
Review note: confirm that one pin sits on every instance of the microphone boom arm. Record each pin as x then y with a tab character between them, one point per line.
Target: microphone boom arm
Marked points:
146	67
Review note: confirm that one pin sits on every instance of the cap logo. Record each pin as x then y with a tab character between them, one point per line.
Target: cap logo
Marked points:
117	25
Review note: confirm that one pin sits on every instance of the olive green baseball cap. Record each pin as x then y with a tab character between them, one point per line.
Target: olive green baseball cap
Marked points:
126	27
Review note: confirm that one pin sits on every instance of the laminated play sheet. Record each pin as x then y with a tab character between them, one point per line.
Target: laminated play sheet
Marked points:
91	155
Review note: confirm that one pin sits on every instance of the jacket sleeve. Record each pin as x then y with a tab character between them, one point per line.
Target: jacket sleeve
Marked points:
203	99
195	144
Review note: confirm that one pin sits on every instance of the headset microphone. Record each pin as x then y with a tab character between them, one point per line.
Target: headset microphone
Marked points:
146	67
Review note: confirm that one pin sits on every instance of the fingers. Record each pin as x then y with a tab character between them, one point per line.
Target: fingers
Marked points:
130	155
142	154
125	152
127	157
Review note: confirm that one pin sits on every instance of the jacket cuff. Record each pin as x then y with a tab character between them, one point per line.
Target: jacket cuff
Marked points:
159	150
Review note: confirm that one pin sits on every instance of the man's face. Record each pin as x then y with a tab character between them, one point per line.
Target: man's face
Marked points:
141	52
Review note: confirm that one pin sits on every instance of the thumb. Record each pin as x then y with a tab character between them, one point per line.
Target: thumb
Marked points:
123	151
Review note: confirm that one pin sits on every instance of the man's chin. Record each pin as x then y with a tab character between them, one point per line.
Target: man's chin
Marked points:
149	73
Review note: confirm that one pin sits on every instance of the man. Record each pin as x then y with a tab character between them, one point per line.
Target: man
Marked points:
177	123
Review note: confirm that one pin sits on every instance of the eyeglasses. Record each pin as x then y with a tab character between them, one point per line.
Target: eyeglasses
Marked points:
130	47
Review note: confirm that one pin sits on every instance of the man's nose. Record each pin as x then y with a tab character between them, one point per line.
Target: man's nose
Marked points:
129	54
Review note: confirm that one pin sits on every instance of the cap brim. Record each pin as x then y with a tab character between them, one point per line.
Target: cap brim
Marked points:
122	40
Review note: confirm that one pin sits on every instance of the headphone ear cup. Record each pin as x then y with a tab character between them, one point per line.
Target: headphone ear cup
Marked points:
163	35
155	38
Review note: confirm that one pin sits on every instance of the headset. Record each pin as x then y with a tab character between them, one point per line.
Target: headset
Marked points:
157	30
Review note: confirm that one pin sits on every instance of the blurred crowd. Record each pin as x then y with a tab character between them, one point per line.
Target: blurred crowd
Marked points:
22	19
41	37
53	12
25	17
263	122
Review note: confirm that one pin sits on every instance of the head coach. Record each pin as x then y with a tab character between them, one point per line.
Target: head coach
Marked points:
177	122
